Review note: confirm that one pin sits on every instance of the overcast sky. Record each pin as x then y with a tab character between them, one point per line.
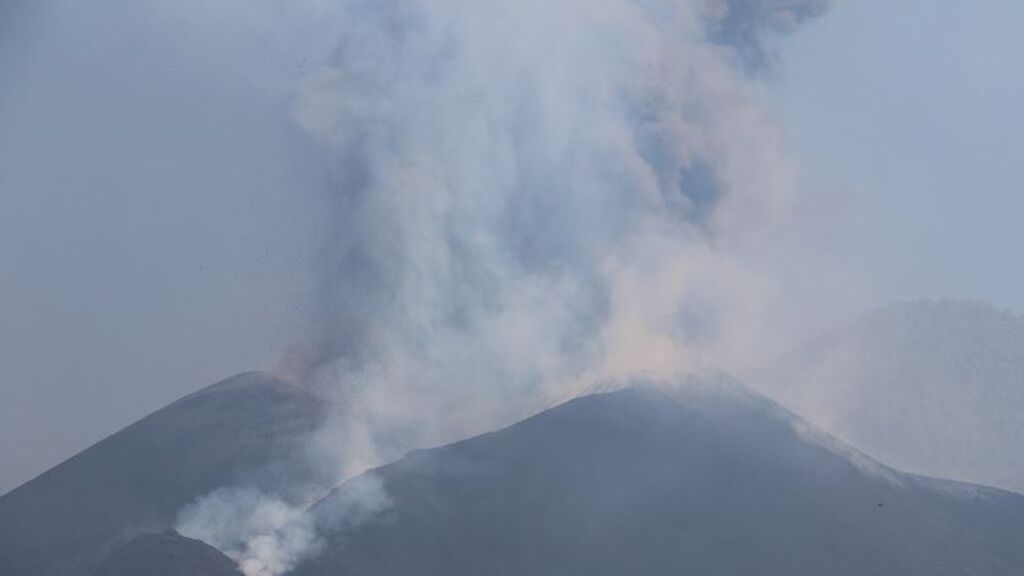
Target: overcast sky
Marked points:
157	219
908	114
160	221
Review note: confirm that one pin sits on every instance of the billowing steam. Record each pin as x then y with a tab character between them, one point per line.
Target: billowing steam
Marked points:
267	535
264	534
530	197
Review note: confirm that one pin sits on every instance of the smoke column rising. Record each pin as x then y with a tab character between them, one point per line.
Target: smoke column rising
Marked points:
530	198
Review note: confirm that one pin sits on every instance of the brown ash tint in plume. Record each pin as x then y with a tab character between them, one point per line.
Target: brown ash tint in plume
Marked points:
532	197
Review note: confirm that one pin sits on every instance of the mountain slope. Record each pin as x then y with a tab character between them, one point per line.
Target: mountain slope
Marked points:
638	482
167	554
247	428
933	387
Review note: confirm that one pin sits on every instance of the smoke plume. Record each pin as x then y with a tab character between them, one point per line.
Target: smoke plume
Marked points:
531	197
267	535
264	534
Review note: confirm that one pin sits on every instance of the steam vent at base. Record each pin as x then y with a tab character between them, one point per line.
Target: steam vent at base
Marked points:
711	480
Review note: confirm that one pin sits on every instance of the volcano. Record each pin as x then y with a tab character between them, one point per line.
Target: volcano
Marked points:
643	481
701	477
247	429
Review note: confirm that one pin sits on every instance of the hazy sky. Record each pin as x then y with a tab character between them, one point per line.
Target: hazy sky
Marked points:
907	113
155	230
160	220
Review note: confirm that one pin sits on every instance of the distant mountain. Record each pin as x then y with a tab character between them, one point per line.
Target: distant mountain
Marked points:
167	554
248	429
933	387
712	481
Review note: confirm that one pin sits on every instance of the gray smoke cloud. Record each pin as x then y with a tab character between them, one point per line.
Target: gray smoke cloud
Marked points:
530	198
744	24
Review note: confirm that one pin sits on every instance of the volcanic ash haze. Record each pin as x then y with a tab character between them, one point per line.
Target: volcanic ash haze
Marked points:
530	198
934	386
533	196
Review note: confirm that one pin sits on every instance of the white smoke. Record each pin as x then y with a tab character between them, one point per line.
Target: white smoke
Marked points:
265	535
530	197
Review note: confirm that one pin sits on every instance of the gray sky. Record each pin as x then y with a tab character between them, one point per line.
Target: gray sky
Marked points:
906	117
161	216
155	230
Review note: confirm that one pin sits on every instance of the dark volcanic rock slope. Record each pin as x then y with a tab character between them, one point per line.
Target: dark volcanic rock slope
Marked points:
937	387
67	520
638	482
167	554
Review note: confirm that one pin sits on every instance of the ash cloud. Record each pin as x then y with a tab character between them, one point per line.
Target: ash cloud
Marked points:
529	198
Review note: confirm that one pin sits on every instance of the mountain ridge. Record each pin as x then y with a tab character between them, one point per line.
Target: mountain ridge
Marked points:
632	481
700	473
933	386
250	428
